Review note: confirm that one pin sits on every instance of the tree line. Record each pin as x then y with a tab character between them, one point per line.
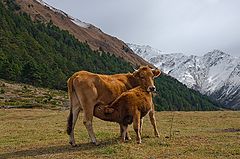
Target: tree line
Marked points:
43	55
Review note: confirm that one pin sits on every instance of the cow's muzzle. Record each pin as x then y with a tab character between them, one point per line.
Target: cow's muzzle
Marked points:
151	88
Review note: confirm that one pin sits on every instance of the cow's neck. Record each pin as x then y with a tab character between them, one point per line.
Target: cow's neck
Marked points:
132	81
144	90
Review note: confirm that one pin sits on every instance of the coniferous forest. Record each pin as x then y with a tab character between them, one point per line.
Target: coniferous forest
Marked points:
43	55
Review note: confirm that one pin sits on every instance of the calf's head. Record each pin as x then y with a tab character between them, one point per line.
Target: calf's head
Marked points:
145	76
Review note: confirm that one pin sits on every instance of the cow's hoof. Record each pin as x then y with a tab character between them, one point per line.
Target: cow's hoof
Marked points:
157	135
139	142
128	138
73	144
96	143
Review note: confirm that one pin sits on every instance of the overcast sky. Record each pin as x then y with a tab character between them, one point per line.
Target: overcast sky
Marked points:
187	26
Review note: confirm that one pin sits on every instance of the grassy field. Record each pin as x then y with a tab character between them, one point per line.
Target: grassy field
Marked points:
19	95
40	133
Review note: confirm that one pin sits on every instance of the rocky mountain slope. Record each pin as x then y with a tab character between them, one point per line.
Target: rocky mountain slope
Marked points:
216	73
84	32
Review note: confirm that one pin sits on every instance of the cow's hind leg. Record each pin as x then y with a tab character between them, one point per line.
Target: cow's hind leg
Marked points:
75	108
87	121
75	113
88	107
153	122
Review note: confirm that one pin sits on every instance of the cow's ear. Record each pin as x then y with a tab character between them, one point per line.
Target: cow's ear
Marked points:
156	72
136	73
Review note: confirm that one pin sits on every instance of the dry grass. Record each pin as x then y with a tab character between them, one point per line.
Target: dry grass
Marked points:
16	95
40	133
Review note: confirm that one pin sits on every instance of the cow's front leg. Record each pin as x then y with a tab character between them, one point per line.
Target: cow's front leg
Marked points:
141	125
136	127
153	121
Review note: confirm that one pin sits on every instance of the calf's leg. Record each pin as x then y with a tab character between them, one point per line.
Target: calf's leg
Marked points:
136	127
124	132
127	137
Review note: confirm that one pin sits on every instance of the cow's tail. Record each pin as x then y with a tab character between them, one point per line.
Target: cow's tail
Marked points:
70	117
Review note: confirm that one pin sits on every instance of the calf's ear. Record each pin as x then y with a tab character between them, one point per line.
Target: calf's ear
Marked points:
156	72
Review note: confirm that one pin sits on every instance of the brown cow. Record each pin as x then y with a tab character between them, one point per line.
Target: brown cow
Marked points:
86	89
130	106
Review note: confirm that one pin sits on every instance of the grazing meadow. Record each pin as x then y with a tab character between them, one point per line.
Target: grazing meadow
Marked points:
41	133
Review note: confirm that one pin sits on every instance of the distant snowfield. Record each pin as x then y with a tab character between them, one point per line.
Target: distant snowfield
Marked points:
80	23
215	73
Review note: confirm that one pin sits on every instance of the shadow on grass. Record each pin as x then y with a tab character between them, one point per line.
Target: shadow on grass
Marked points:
58	149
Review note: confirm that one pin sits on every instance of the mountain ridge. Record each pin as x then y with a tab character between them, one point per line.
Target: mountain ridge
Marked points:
96	39
215	73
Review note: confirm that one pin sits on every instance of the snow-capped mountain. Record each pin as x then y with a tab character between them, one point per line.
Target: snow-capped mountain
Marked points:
216	73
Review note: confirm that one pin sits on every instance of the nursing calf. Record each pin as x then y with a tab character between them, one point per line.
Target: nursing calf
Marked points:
131	106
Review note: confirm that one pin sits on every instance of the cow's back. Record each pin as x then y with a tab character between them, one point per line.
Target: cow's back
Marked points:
101	88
